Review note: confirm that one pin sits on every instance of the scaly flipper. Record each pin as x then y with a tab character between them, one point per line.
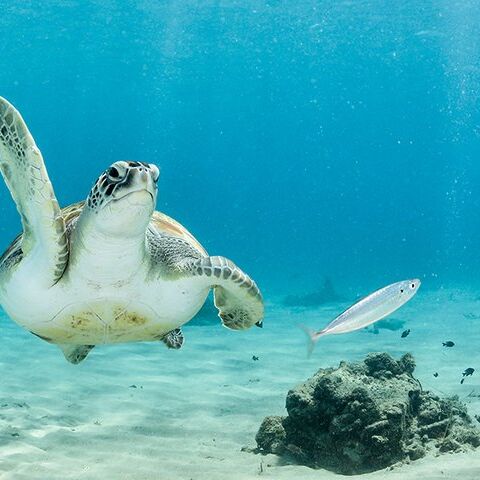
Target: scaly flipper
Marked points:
75	353
174	339
236	295
24	172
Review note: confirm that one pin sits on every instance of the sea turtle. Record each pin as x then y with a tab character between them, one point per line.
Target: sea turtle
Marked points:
109	269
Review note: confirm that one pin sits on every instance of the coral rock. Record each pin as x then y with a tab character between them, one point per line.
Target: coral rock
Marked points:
366	416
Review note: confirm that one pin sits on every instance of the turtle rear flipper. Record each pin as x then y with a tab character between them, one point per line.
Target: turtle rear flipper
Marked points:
174	339
236	295
24	172
75	353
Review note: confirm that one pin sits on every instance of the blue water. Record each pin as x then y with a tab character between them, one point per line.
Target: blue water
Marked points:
302	139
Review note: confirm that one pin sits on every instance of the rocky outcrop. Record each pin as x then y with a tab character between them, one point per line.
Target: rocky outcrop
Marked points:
366	416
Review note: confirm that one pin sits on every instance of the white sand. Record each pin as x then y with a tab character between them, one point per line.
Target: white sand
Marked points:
193	410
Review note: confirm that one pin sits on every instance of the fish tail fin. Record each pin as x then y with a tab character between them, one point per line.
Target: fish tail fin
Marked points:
312	339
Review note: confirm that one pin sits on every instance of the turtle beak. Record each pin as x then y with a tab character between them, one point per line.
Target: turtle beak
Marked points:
145	181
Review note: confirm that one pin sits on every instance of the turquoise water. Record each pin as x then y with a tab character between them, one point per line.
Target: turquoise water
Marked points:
300	138
304	140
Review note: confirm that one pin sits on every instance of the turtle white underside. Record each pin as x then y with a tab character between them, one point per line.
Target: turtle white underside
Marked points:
106	297
136	311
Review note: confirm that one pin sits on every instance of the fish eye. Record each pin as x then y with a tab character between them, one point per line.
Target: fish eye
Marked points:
401	290
413	285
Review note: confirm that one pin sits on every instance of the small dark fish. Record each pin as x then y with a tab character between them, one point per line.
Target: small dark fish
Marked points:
448	344
254	358
405	333
435	374
468	372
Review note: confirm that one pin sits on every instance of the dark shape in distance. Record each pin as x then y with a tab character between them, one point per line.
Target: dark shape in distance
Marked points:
325	294
405	333
448	344
435	374
207	315
254	358
386	324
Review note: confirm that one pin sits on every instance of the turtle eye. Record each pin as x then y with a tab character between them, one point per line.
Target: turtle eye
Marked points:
115	174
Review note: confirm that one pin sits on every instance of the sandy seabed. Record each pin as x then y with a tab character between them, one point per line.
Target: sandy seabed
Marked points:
142	412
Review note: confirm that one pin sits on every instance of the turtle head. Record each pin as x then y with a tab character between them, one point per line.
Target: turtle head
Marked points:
123	198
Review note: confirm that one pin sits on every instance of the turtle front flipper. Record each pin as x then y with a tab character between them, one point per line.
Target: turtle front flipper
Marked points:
24	172
236	295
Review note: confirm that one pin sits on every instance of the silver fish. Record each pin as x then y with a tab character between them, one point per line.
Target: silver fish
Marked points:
370	309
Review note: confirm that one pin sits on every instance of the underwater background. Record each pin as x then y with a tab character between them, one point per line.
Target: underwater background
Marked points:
303	139
307	141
